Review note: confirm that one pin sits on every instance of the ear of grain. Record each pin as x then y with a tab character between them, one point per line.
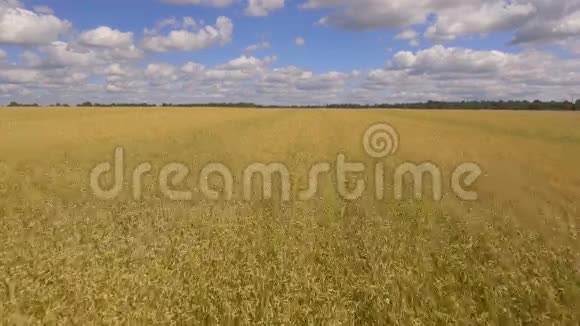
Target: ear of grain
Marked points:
509	258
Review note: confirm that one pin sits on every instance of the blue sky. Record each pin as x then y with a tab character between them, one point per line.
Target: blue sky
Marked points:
328	49
365	51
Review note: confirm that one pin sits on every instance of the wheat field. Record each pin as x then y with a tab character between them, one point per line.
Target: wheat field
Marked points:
67	257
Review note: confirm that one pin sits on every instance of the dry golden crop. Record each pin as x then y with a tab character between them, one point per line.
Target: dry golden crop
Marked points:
509	258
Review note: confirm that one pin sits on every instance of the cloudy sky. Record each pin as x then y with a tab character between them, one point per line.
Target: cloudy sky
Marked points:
288	51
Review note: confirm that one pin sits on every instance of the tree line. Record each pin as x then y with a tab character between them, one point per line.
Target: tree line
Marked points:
435	105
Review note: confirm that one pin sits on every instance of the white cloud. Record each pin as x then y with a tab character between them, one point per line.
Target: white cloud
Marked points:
324	82
161	71
258	46
210	3
116	69
19	76
107	37
167	22
129	53
258	8
246	63
438	73
191	40
442	73
63	54
189	22
409	35
30	59
529	21
24	27
114	88
192	67
367	14
572	46
442	60
43	10
103	64
10	3
485	18
62	72
545	29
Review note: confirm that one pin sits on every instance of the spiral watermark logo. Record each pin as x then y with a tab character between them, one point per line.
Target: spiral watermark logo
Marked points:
380	142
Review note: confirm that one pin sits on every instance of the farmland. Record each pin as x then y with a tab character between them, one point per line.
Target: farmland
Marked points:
510	257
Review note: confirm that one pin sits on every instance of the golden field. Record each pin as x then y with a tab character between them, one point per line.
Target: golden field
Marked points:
66	257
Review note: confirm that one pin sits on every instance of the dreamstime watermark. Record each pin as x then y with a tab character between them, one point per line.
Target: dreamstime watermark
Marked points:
379	141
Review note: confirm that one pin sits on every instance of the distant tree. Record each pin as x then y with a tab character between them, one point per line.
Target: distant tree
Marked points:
536	105
16	104
462	105
568	106
86	104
